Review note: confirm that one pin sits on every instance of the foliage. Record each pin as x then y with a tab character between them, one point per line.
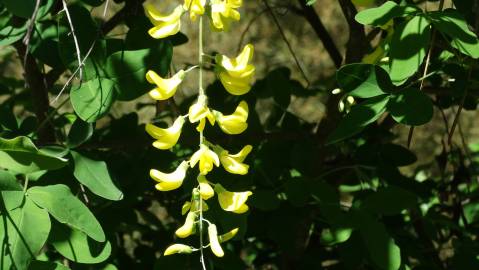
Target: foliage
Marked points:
348	192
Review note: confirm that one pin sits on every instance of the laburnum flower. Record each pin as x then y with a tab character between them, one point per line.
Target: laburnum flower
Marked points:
199	112
206	159
166	138
170	181
234	123
205	189
234	163
195	7
194	205
178	248
223	12
232	201
165	88
164	25
187	228
214	242
236	74
227	236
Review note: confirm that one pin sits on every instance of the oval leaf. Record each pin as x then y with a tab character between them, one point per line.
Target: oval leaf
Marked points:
80	132
411	107
66	208
93	99
363	80
94	175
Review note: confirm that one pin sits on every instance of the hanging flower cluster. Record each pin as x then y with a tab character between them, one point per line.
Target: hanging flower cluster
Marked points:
236	75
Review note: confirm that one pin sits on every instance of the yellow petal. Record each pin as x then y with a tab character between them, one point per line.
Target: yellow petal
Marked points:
187	228
235	86
195	7
165	88
234	123
166	138
170	181
178	248
164	25
229	235
206	159
234	163
214	243
232	201
206	191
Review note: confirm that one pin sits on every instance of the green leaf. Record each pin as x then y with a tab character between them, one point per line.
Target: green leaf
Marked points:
40	265
80	132
77	247
93	99
381	15
8	182
265	200
408	48
359	117
94	175
24	229
382	249
25	8
411	107
66	208
21	155
389	201
451	23
363	80
128	69
335	235
11	34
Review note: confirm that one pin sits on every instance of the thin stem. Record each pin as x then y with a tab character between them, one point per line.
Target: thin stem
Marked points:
201	95
75	40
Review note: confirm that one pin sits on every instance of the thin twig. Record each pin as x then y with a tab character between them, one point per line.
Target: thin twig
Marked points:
276	21
83	192
77	45
250	23
26	39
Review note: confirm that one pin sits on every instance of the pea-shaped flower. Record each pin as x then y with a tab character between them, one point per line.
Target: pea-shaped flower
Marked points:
170	181
195	7
187	228
223	12
178	248
232	201
206	159
164	25
234	123
205	189
214	242
234	163
165	88
199	112
236	74
229	235
166	138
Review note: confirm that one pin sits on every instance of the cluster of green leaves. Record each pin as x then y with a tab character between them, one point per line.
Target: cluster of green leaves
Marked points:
85	200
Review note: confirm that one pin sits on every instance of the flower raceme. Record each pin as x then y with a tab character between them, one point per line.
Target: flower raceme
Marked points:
165	88
166	138
236	74
163	25
232	201
234	123
170	181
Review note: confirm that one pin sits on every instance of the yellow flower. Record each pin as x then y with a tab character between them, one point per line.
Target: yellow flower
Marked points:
206	158
227	236
187	228
170	181
196	7
166	138
232	201
164	25
194	205
214	243
237	74
223	12
178	248
234	163
165	88
234	123
200	112
206	191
